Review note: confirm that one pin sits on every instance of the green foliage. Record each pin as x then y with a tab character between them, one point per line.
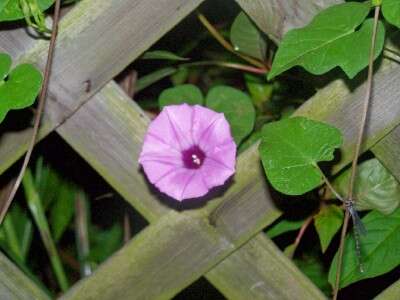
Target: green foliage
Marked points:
327	223
237	108
16	234
246	38
163	55
290	150
313	267
186	93
104	242
330	40
260	91
284	226
18	88
153	77
379	249
11	10
375	187
391	11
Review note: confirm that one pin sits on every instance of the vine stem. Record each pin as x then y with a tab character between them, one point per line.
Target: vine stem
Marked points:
39	111
357	152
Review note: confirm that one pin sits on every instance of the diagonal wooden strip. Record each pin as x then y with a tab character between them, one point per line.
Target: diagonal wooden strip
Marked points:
391	293
14	285
96	41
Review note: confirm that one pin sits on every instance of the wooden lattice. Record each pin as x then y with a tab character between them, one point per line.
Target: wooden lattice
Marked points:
221	240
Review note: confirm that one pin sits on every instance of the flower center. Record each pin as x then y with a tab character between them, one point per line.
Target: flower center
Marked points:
193	157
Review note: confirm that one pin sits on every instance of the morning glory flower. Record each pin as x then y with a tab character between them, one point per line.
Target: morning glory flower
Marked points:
187	151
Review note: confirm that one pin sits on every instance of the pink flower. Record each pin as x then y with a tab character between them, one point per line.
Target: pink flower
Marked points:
187	151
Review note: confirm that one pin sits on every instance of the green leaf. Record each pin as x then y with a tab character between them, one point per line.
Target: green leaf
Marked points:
19	89
327	223
10	10
260	91
163	55
284	226
379	249
5	65
375	187
103	243
149	79
47	182
290	150
391	11
246	38
185	93
330	40
237	108
62	210
313	267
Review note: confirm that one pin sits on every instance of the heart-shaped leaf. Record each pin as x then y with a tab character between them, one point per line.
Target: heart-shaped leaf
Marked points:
246	38
327	222
185	93
379	249
330	40
290	150
20	88
10	10
5	65
237	108
391	11
375	187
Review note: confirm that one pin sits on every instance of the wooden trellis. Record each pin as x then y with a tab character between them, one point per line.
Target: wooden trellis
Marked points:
97	40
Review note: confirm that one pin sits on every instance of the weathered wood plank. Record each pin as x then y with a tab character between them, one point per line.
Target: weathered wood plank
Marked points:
97	39
276	17
391	293
14	285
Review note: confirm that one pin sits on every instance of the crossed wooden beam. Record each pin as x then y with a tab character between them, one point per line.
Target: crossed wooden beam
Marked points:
223	240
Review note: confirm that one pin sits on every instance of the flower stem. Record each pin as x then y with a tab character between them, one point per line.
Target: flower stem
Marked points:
357	152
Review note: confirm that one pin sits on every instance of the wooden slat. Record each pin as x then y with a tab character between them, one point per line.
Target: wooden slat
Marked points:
14	285
391	293
97	39
276	17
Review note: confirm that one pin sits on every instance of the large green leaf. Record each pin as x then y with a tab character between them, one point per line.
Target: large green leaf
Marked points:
330	40
327	222
290	150
391	11
237	108
375	187
185	93
10	10
380	249
20	88
5	65
246	38
162	55
284	226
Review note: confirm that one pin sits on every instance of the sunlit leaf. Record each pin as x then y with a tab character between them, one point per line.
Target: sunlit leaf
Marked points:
11	10
327	223
379	249
290	150
237	108
19	88
391	11
375	187
185	93
246	38
331	39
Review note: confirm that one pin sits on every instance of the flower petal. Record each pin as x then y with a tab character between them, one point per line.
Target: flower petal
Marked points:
183	184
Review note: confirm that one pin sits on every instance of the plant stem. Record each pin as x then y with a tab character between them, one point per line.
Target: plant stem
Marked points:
82	233
330	187
214	32
230	65
37	211
357	152
301	233
39	111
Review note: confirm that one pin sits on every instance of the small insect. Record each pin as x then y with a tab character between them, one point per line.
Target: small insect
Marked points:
359	229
